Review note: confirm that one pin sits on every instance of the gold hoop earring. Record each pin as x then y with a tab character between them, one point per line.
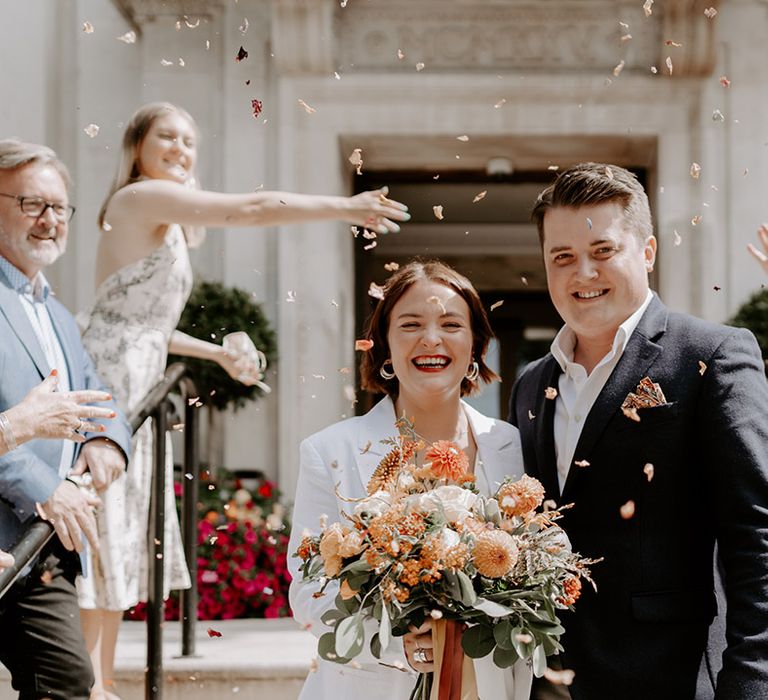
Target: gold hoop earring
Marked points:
473	373
387	374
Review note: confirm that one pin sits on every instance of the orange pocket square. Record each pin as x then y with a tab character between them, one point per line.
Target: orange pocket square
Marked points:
647	395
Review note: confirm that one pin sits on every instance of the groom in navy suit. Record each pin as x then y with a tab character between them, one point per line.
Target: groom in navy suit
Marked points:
41	642
654	425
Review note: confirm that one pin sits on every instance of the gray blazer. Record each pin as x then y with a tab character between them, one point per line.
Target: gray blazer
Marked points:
29	474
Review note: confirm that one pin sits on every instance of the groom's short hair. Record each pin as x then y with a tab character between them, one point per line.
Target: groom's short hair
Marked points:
596	183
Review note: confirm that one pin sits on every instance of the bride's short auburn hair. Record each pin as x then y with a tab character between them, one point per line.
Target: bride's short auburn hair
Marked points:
377	327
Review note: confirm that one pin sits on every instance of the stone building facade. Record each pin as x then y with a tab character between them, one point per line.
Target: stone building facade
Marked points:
447	99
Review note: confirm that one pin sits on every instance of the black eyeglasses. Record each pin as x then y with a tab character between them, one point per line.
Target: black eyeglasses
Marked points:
37	206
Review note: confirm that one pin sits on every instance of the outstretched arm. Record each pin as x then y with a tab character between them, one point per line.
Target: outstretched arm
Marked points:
163	202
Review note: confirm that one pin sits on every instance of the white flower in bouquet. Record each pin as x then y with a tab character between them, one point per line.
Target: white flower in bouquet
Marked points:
456	502
374	505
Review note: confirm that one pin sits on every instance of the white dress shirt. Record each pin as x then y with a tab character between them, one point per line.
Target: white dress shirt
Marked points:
577	391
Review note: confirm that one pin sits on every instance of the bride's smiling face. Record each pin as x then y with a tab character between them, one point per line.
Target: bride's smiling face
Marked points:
168	151
430	340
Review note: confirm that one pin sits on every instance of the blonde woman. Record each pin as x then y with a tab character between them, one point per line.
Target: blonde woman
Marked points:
151	216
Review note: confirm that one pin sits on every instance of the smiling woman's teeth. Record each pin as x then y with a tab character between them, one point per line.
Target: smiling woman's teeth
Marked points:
431	362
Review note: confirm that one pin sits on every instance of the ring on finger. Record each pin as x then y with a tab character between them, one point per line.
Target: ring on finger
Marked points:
420	656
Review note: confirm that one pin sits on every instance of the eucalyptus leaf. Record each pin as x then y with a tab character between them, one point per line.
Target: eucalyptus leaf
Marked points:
468	595
376	646
385	628
539	661
349	637
478	641
504	658
523	649
331	617
491	609
326	649
502	633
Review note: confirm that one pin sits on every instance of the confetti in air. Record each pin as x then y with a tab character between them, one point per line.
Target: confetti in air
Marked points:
550	393
363	345
242	54
128	38
695	171
496	304
87	28
256	106
648	8
92	130
627	510
438	211
307	108
357	160
479	196
376	291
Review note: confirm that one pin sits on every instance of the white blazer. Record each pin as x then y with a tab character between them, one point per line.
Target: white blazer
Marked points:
341	459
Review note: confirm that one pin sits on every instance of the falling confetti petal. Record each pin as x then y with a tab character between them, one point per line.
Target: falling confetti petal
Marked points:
419	66
192	24
307	108
363	345
376	291
553	167
668	63
242	54
624	26
627	510
669	42
589	223
678	239
724	81
438	210
550	393
702	368
92	130
531	414
391	267
581	463
620	67
438	301
181	62
400	54
696	220
165	62
710	12
648	8
128	38
496	304
559	677
718	116
648	470
524	280
479	196
500	103
463	138
244	26
654	70
626	37
87	27
695	171
256	106
357	160
631	413
291	296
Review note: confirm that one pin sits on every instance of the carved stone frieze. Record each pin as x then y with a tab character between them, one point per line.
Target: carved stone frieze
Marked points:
139	12
547	35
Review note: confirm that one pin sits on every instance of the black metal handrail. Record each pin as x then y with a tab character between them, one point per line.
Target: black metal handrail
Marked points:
156	406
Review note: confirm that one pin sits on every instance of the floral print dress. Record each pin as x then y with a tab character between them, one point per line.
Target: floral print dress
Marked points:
126	332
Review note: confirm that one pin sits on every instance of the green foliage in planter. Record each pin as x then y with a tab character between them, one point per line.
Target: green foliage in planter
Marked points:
212	311
753	314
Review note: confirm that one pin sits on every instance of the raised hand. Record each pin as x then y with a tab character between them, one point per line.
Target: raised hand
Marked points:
47	413
103	459
6	560
242	361
374	211
418	647
761	256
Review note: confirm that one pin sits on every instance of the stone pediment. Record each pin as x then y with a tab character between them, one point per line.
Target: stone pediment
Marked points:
318	36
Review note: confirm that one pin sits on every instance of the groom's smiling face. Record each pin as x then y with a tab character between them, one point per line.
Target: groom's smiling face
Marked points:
597	268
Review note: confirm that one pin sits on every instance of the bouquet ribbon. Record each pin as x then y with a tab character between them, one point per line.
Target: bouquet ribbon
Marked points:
454	675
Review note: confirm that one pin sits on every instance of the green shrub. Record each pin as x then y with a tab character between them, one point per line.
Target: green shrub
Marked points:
753	314
213	310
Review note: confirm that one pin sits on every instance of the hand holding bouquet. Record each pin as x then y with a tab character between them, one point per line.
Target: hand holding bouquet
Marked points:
492	571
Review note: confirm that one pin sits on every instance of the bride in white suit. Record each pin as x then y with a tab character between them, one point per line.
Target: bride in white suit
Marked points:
430	334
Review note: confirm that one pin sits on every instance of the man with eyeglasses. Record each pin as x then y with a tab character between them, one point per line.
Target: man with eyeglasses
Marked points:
41	641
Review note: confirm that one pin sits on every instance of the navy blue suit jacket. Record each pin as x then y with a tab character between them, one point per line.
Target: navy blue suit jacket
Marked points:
29	474
644	634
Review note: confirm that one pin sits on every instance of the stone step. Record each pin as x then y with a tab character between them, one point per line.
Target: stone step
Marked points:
252	659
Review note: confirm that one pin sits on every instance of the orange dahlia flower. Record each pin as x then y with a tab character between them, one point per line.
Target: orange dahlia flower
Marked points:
448	460
495	553
521	497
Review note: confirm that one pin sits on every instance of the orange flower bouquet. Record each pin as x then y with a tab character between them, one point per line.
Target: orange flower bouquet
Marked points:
491	571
